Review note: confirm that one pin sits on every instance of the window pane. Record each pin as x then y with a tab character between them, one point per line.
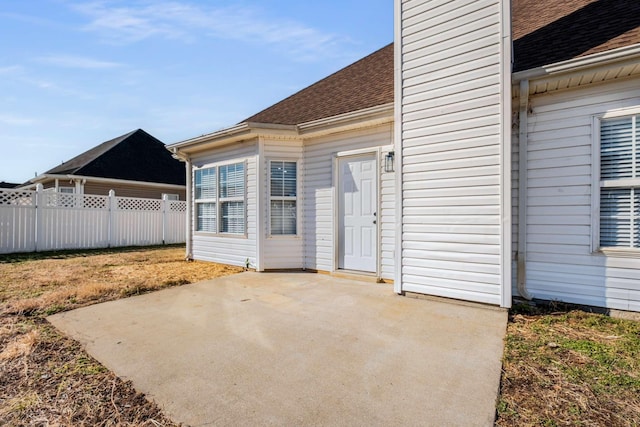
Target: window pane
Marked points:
206	217
205	183
616	148
283	217
233	217
283	179
232	180
615	217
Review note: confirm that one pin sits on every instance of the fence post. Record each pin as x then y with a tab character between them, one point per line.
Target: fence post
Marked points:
39	203
164	208
111	206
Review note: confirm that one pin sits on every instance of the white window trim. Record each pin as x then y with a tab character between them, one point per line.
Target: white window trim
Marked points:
297	198
596	184
219	200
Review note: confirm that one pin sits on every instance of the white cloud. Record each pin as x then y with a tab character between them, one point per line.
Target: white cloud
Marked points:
11	69
184	21
71	61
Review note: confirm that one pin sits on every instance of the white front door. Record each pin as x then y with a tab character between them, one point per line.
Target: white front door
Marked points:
357	200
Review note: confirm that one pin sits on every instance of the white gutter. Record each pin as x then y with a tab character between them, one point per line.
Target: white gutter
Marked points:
235	133
597	59
521	280
348	121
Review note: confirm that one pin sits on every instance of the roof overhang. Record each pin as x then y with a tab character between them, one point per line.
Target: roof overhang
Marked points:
46	177
252	131
596	68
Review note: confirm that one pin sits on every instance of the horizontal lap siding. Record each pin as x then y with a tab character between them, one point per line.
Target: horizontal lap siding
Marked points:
102	189
231	249
319	205
283	251
560	265
451	159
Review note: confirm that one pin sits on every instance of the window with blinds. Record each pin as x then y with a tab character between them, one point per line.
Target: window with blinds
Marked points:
283	197
620	182
220	199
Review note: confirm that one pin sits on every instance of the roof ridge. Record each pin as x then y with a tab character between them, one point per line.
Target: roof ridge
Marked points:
86	157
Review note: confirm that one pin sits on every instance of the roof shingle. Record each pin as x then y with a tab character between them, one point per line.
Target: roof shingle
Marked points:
365	83
135	156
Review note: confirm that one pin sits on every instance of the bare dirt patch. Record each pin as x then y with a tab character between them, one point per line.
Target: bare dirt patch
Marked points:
569	367
48	379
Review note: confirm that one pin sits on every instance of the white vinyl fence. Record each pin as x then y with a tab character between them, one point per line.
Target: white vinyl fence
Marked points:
41	220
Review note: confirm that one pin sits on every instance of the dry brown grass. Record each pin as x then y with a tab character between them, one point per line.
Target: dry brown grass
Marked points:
48	379
570	368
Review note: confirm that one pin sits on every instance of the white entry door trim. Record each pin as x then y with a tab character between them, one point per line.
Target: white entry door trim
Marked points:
356	180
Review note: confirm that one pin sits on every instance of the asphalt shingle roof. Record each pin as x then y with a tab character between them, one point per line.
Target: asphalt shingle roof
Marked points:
365	83
135	156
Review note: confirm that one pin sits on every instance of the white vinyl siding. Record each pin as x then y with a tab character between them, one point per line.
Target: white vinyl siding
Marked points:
561	262
319	206
620	182
231	248
455	154
283	188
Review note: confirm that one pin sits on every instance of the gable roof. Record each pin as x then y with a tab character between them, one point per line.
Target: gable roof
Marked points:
363	84
8	185
135	156
550	31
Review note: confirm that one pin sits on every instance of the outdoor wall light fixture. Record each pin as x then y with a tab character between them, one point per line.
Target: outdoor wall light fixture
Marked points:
388	161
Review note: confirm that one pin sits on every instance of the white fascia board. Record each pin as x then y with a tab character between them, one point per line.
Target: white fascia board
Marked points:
582	63
47	177
366	117
241	132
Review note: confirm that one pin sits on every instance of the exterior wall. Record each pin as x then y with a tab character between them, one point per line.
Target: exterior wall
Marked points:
282	252
233	250
453	121
319	204
560	264
131	190
139	191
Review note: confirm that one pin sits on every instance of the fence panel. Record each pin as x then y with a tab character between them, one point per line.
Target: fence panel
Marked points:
17	221
42	220
137	222
174	222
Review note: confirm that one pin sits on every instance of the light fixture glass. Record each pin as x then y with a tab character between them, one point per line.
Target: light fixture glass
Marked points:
388	161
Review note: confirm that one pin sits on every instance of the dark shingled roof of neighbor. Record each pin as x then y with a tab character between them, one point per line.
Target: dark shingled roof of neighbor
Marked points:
135	156
544	32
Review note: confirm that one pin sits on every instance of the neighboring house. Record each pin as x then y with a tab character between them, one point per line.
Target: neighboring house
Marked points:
308	182
133	165
8	185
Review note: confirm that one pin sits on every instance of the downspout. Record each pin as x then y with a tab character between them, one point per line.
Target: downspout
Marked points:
189	197
521	280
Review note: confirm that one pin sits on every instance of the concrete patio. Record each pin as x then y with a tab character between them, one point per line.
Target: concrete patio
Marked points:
299	349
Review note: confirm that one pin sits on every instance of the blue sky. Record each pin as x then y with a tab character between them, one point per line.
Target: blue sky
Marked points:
77	73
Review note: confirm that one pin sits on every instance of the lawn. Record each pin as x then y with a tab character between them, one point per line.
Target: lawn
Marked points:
561	366
48	379
565	367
